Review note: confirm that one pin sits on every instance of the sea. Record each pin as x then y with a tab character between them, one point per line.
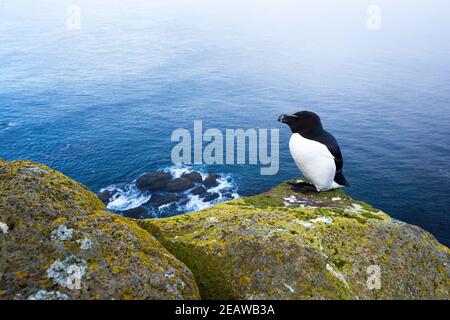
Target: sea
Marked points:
96	88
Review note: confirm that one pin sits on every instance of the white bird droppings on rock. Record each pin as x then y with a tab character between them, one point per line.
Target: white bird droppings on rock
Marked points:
4	227
62	233
291	199
307	225
37	170
322	219
355	207
213	219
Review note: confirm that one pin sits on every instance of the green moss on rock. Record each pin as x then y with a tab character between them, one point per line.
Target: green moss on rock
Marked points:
55	224
285	245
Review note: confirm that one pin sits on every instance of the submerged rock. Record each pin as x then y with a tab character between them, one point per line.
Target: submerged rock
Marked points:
160	199
211	196
136	213
198	190
193	176
153	181
106	195
62	243
211	181
286	245
179	185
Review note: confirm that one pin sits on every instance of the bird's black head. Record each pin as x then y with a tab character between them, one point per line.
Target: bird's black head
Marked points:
306	123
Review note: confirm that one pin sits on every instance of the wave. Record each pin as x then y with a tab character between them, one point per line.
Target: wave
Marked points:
6	125
128	200
126	197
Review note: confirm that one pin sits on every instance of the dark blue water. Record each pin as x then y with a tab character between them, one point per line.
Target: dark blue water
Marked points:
100	103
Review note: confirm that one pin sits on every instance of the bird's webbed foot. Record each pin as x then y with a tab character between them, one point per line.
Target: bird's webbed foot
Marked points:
302	187
300	184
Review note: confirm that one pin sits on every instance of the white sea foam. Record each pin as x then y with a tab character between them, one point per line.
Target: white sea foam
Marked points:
195	204
177	171
128	196
6	125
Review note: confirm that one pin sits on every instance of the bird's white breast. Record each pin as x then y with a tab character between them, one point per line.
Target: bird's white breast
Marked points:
314	160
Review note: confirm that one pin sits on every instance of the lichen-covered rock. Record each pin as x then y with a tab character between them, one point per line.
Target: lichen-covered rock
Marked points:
57	241
287	245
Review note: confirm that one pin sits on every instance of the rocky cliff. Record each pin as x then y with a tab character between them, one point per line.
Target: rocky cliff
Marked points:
58	241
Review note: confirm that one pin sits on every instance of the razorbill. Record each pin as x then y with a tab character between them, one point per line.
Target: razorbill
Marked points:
315	151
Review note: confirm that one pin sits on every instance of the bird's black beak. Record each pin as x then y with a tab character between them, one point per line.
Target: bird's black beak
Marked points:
287	118
282	118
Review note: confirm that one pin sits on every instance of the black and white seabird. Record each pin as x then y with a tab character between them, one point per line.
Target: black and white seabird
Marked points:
315	151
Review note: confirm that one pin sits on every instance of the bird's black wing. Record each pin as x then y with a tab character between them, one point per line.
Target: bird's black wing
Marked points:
332	145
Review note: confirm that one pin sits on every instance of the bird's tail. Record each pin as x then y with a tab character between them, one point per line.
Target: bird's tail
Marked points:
340	179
